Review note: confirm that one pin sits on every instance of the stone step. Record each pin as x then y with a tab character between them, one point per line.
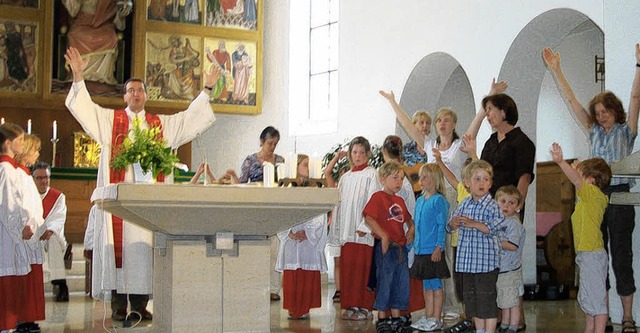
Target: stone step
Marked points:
75	275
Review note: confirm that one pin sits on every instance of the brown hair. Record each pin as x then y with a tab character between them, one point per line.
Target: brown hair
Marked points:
9	131
611	103
393	146
596	168
505	103
359	140
134	79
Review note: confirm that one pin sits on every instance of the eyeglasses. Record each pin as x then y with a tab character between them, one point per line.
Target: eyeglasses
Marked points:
41	177
133	91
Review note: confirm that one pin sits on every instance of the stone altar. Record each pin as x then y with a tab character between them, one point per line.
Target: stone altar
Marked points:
211	253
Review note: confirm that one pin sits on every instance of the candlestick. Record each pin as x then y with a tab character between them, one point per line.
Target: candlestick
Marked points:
53	159
55	129
29	126
2	121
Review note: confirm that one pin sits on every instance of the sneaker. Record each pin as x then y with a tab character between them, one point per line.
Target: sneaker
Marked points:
384	326
426	324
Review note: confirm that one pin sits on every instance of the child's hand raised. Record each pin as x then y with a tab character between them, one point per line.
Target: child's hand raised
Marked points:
556	152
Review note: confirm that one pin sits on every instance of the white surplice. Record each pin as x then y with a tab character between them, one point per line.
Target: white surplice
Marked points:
308	254
33	204
54	248
355	189
136	274
14	259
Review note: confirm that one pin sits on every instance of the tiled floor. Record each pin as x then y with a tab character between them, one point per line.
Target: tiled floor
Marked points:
82	314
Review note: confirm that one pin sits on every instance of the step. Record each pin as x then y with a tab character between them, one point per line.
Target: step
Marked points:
74	282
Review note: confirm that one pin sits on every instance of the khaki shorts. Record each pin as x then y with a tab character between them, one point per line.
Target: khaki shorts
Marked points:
510	288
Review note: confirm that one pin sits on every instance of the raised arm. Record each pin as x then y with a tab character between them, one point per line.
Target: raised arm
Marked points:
474	127
448	174
404	120
552	60
634	102
327	170
77	64
572	174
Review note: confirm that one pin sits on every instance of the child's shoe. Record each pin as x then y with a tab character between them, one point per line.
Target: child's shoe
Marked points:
384	326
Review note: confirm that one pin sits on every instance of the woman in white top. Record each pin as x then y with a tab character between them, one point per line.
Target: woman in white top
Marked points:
451	148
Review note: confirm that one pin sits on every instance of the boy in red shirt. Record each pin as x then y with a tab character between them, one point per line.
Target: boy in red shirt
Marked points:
386	214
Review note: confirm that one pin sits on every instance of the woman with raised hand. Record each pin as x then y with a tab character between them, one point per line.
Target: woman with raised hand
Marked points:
612	134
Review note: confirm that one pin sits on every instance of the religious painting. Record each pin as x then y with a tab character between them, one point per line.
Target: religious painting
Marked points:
236	14
20	3
18	54
237	60
86	152
173	67
181	11
101	31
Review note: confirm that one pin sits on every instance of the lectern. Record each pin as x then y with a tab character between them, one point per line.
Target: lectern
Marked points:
211	253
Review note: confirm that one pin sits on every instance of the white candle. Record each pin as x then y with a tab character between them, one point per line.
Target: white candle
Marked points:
315	166
291	165
55	129
29	126
2	121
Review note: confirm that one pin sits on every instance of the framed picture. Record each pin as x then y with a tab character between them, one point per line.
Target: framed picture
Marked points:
236	60
18	54
20	3
180	11
236	14
173	67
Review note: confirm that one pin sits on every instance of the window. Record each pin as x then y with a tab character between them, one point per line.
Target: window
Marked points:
313	67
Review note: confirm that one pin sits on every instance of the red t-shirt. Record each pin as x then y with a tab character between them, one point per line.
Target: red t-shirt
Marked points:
390	211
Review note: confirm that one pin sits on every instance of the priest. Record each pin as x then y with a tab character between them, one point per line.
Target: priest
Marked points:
122	253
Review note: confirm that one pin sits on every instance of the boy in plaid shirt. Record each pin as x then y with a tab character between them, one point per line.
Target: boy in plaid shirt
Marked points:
478	219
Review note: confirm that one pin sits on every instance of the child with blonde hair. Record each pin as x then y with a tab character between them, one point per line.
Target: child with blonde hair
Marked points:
512	234
386	215
478	219
429	265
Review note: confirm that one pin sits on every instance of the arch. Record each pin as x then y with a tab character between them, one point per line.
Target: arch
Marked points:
438	80
523	67
524	70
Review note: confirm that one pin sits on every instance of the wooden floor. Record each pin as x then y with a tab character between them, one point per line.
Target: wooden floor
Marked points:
82	314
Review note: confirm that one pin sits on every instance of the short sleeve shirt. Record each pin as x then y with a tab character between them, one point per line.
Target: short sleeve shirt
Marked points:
511	158
612	146
513	232
391	213
587	218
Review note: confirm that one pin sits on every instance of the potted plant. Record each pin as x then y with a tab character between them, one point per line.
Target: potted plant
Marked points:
148	149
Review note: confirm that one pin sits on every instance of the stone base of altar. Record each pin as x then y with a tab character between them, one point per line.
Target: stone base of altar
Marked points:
197	293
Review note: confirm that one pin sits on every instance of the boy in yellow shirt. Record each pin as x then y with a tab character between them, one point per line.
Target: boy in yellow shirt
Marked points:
589	177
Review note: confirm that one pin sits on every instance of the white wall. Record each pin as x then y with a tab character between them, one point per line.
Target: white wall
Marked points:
380	43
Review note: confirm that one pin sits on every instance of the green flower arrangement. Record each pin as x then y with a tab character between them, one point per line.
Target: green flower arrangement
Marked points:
147	148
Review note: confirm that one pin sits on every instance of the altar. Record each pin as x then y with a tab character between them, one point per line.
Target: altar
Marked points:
211	253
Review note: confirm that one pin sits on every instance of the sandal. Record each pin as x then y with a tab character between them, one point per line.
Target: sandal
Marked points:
629	326
609	326
348	313
336	296
361	315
